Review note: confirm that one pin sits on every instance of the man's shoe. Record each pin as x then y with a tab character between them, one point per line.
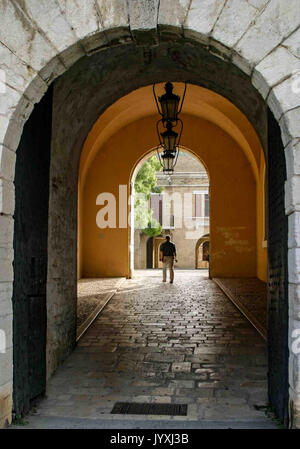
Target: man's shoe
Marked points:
164	281
171	282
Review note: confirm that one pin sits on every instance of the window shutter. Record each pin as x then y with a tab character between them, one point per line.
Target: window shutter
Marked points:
198	205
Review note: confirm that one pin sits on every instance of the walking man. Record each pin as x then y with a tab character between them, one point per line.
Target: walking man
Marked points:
167	256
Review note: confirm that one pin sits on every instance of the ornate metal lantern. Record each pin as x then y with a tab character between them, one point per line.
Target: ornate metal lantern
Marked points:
169	103
169	138
168	160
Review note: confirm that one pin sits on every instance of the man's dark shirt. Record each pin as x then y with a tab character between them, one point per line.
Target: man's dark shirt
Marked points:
168	248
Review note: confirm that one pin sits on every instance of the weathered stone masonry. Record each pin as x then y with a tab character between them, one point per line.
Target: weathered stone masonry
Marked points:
41	40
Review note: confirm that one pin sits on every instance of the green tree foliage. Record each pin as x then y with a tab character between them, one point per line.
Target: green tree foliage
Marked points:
145	184
145	181
153	229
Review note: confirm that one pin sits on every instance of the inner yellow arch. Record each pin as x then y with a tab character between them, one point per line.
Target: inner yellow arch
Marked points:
207	116
199	102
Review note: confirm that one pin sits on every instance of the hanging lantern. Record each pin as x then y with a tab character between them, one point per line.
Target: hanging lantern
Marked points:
169	138
168	161
169	103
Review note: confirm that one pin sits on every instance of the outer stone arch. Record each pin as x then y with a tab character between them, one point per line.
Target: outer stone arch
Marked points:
32	66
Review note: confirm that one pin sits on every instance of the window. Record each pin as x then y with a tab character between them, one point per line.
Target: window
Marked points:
198	205
206	209
156	204
160	211
172	221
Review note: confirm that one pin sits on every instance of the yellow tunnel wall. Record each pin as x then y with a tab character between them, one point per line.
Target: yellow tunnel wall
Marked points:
233	199
262	254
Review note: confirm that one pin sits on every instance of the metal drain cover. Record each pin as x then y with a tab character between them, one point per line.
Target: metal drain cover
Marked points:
134	408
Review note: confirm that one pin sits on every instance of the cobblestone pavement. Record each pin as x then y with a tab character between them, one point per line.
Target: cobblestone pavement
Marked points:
92	293
165	343
250	296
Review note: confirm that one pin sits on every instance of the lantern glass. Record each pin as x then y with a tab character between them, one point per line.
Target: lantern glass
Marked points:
169	104
168	161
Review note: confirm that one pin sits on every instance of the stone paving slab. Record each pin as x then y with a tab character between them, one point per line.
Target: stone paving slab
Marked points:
250	296
164	343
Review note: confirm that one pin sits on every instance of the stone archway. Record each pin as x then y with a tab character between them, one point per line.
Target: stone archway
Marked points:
46	54
157	242
199	244
205	251
149	252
